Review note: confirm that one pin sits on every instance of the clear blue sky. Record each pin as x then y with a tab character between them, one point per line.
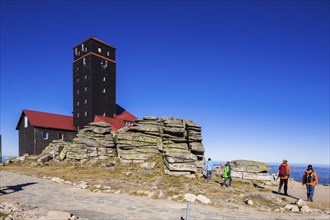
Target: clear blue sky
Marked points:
253	74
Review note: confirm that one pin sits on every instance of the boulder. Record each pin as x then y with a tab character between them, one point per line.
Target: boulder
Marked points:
203	199
251	170
190	197
305	209
249	166
300	203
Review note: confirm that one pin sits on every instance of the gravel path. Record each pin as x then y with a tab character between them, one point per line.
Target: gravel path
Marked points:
48	195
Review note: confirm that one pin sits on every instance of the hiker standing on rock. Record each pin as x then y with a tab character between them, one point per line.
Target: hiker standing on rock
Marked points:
209	169
227	174
284	173
311	180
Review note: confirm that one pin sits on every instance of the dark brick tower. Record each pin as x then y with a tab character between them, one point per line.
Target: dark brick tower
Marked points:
94	81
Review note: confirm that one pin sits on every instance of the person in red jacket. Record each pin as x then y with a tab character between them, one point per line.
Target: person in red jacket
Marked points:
311	180
284	173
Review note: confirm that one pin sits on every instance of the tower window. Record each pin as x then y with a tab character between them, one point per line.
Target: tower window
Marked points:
44	135
99	50
85	101
85	88
26	122
85	113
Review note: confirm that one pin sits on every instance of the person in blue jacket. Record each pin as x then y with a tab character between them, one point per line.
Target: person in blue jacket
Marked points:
209	169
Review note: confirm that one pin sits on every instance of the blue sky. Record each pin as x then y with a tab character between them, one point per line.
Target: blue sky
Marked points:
253	74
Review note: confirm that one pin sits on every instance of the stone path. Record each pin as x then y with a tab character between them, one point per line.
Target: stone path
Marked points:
48	195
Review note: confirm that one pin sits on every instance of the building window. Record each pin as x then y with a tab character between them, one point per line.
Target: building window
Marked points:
103	90
85	101
77	91
77	103
77	79
78	115
44	135
108	53
26	122
103	113
105	66
85	88
83	48
85	113
61	136
99	50
85	75
84	61
128	123
103	78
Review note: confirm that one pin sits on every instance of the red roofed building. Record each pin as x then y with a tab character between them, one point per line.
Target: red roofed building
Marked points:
38	129
94	94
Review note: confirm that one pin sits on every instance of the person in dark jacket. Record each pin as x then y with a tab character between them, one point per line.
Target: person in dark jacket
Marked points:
311	180
227	174
284	173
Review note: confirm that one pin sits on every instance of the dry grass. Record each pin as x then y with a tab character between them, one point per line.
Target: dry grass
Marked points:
131	178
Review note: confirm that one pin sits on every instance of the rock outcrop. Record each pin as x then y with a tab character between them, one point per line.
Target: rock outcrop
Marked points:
54	151
179	141
95	141
182	148
139	142
250	170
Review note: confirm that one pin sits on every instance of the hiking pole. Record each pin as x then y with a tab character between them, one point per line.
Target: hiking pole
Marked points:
188	210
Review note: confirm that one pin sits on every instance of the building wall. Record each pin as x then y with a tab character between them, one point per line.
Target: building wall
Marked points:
53	134
31	141
25	139
94	81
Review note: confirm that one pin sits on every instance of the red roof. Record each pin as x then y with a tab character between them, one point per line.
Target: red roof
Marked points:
96	39
115	123
49	120
126	116
118	121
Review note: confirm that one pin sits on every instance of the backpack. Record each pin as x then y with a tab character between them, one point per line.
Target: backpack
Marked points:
310	177
283	171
